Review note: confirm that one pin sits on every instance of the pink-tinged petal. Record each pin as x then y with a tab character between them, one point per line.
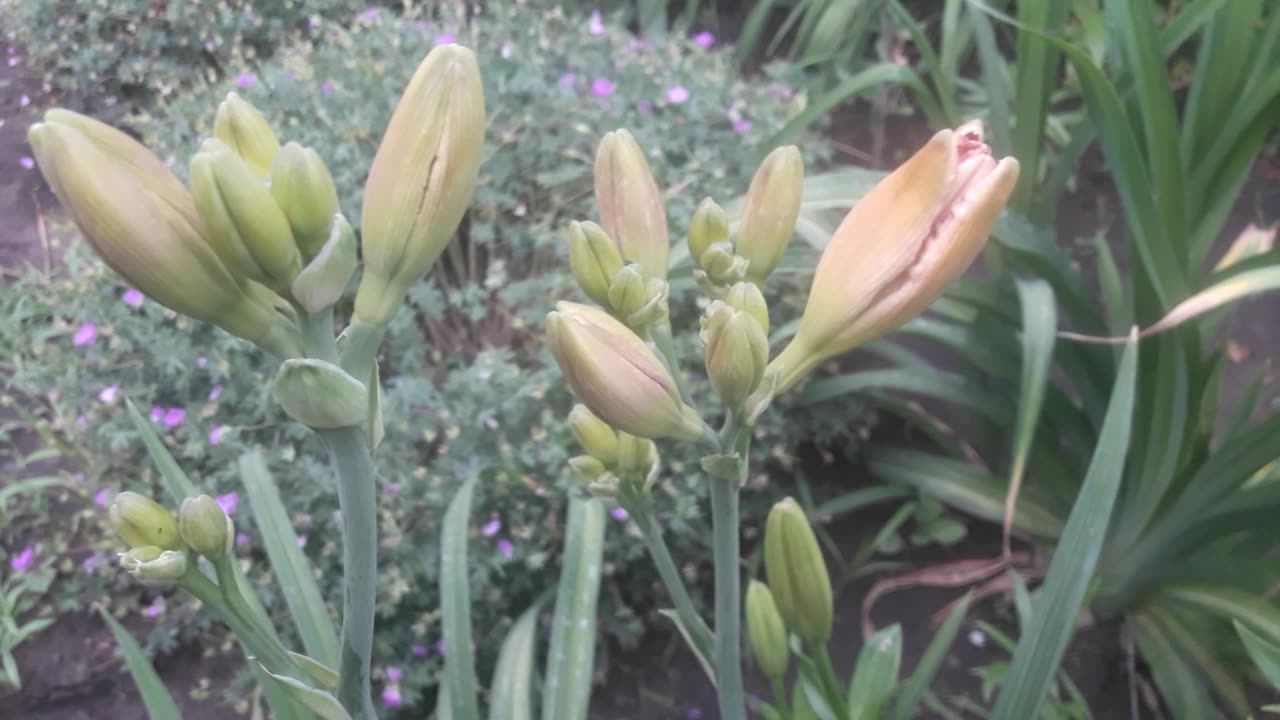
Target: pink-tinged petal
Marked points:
201	361
216	433
23	559
595	25
741	126
704	39
242	540
155	608
302	541
101	497
228	502
87	333
506	547
492	527
391	696
444	38
418	650
619	514
91	564
677	94
326	87
394	673
245	79
602	87
215	392
157	413
27	162
108	394
132	297
568	80
173	417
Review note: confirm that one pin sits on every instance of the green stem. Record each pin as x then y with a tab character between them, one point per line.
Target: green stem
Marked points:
651	532
660	333
261	646
360	348
728	634
830	685
237	599
357	503
317	334
780	699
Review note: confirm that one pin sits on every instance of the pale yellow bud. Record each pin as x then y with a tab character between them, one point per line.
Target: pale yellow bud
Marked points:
141	521
630	205
304	190
797	573
709	226
736	352
594	435
747	297
247	133
594	259
769	215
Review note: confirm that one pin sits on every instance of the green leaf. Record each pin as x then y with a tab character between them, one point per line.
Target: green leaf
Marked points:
323	704
455	607
1264	653
321	673
160	704
1210	665
1039	325
939	385
1256	612
1036	658
876	675
176	481
1180	684
292	569
1223	292
914	688
511	692
695	647
567	687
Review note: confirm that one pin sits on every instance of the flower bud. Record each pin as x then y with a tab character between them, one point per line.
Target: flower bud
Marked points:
769	215
736	352
899	247
421	179
153	566
593	259
247	133
722	266
241	219
613	372
636	454
630	205
304	191
797	573
319	394
765	631
747	297
205	527
142	221
709	226
594	435
587	468
637	300
139	521
323	280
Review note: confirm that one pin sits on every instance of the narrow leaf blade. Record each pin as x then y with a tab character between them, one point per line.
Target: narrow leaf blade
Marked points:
567	687
159	703
455	607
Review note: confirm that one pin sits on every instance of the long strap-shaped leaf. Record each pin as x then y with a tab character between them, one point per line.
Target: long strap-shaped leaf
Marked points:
567	688
160	704
1036	658
511	692
455	607
1039	323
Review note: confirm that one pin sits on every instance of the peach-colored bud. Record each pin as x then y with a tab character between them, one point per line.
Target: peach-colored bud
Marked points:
770	211
630	204
899	247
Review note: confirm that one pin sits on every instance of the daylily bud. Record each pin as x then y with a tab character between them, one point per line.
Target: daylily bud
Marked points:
769	215
594	259
421	179
765	630
630	205
797	573
747	297
899	247
205	527
736	352
241	219
304	190
322	281
153	566
139	521
628	291
142	222
613	372
247	133
587	468
636	454
722	266
320	395
709	226
594	435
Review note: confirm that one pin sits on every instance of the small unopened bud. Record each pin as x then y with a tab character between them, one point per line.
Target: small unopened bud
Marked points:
769	215
320	395
594	435
722	266
636	454
140	521
747	297
205	527
304	190
323	280
736	352
765	630
246	131
153	566
637	300
797	573
630	204
587	468
709	226
594	259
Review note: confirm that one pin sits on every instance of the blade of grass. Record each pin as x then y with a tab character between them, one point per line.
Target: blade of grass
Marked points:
512	686
1210	665
1039	325
1179	683
566	689
156	698
876	674
455	607
1255	611
911	691
1264	653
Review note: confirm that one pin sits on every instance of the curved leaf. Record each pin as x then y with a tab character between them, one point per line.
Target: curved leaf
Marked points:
159	703
511	692
567	688
455	607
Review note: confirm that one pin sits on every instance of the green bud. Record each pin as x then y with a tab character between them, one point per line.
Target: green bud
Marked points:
205	527
636	454
765	630
721	265
304	190
587	468
421	180
797	573
736	352
709	226
140	521
747	297
153	566
770	212
241	219
320	395
594	435
247	133
628	292
323	280
630	204
593	259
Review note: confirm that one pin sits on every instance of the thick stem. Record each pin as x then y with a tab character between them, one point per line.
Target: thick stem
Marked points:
317	334
660	333
780	699
360	348
827	673
357	503
728	635
262	646
666	566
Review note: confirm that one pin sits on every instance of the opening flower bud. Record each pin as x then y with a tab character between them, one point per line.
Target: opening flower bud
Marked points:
594	259
205	527
594	435
629	202
898	248
615	374
244	129
708	226
140	521
769	215
304	191
421	180
324	279
797	573
319	394
747	297
153	566
736	352
722	266
765	630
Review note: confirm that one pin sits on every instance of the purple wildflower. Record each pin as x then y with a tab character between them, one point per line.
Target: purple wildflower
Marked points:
602	87
418	650
391	489
394	673
506	51
444	38
216	433
242	540
567	80
369	14
155	608
157	413
492	527
26	162
173	417
108	394
506	547
91	564
619	513
23	560
677	94
741	126
595	25
391	696
302	541
228	502
215	392
201	361
326	87
644	107
87	333
101	497
24	101
704	39
132	297
245	79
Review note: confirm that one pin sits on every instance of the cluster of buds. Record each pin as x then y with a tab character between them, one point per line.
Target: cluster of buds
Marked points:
614	465
735	334
162	545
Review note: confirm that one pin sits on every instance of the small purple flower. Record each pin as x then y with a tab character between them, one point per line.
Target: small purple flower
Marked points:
602	87
91	564
111	100
201	361
157	413
506	51
394	673
440	646
132	297
24	101
644	107
326	87
313	21
704	39
101	497
155	608
228	502
619	513
26	162
595	25
492	527
742	126
444	38
418	650
677	94
506	547
81	420
302	541
693	713
173	417
215	392
23	560
568	80
216	433
242	540
108	394
245	79
87	333
368	14
391	489
391	696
